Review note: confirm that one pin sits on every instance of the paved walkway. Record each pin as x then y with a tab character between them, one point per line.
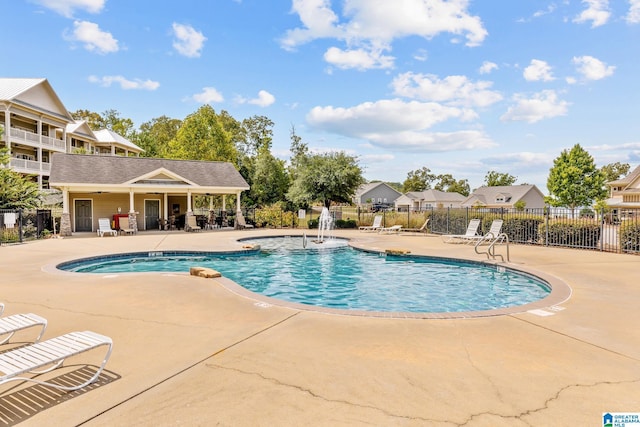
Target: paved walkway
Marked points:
190	352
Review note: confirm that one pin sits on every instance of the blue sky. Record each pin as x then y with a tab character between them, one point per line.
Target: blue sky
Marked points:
461	87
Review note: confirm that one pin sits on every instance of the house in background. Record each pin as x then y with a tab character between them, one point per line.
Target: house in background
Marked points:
34	124
505	196
428	199
625	193
375	195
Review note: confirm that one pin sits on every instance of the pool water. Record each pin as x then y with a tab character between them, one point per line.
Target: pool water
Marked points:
335	275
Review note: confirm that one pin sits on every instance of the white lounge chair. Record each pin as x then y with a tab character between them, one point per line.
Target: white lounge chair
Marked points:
1	308
472	230
422	229
104	227
241	221
377	223
11	324
34	357
192	224
125	227
389	230
494	231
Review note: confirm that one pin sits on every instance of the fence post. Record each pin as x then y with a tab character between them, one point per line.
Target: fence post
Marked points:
601	229
20	224
547	213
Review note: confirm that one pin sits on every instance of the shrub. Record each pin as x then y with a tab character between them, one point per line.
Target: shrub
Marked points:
522	230
313	223
345	223
580	234
273	216
630	237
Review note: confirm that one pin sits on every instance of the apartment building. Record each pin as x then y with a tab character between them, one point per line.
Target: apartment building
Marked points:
34	124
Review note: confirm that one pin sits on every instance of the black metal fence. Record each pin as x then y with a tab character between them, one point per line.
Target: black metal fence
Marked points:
584	229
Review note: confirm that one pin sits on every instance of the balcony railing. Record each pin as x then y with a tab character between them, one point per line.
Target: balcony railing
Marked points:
29	166
34	139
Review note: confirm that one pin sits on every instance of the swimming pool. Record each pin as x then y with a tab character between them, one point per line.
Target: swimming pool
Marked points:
334	275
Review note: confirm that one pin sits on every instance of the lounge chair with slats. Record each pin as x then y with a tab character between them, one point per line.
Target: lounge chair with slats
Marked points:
390	230
104	227
11	324
377	223
471	233
125	227
192	224
45	356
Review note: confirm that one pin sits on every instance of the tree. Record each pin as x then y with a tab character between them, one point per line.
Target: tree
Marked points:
258	133
497	179
447	183
270	181
17	191
615	171
418	180
109	119
326	178
203	136
154	136
574	179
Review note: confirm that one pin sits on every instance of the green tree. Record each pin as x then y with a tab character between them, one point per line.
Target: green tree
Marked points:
258	133
109	119
574	179
447	183
154	136
326	178
497	179
203	136
615	171
418	180
270	181
17	191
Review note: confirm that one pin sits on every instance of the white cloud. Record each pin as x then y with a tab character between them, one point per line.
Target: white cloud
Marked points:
92	37
538	70
455	90
124	83
421	55
68	7
264	99
372	25
592	68
360	59
487	67
543	105
399	124
208	95
597	12
633	17
189	41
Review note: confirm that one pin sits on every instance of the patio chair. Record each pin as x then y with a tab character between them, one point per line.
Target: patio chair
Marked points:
377	223
494	231
1	308
422	229
192	224
242	224
472	230
11	324
125	227
389	230
104	227
51	354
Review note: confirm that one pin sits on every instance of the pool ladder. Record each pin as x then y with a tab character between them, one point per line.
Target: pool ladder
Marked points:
491	249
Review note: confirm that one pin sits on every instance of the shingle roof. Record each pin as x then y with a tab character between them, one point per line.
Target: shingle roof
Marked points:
92	169
627	179
487	195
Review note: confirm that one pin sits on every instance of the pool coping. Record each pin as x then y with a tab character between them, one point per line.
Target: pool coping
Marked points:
559	290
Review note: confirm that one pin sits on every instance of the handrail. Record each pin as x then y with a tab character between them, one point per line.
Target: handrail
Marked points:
491	251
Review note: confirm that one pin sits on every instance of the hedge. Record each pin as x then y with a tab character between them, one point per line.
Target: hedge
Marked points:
580	234
630	237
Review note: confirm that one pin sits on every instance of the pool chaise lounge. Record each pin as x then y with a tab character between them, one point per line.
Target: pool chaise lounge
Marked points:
51	354
472	232
104	227
11	324
389	230
377	223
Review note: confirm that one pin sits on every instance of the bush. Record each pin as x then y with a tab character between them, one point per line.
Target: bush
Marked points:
313	223
274	217
345	223
579	234
630	237
522	230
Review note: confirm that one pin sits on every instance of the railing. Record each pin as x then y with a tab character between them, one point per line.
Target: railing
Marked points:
491	249
29	166
31	138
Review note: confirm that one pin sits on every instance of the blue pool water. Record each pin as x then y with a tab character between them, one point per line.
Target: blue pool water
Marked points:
335	275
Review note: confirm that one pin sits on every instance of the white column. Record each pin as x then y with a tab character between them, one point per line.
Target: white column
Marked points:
65	200
166	206
131	201
238	202
39	151
224	202
7	129
189	210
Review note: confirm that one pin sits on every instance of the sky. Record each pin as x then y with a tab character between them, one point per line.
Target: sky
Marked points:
460	87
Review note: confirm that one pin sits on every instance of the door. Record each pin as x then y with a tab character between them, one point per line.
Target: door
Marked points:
151	214
83	219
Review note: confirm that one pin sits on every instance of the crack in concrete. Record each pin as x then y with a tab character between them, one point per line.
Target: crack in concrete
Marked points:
546	404
316	395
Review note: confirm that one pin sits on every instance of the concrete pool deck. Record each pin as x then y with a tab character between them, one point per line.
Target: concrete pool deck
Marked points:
187	351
